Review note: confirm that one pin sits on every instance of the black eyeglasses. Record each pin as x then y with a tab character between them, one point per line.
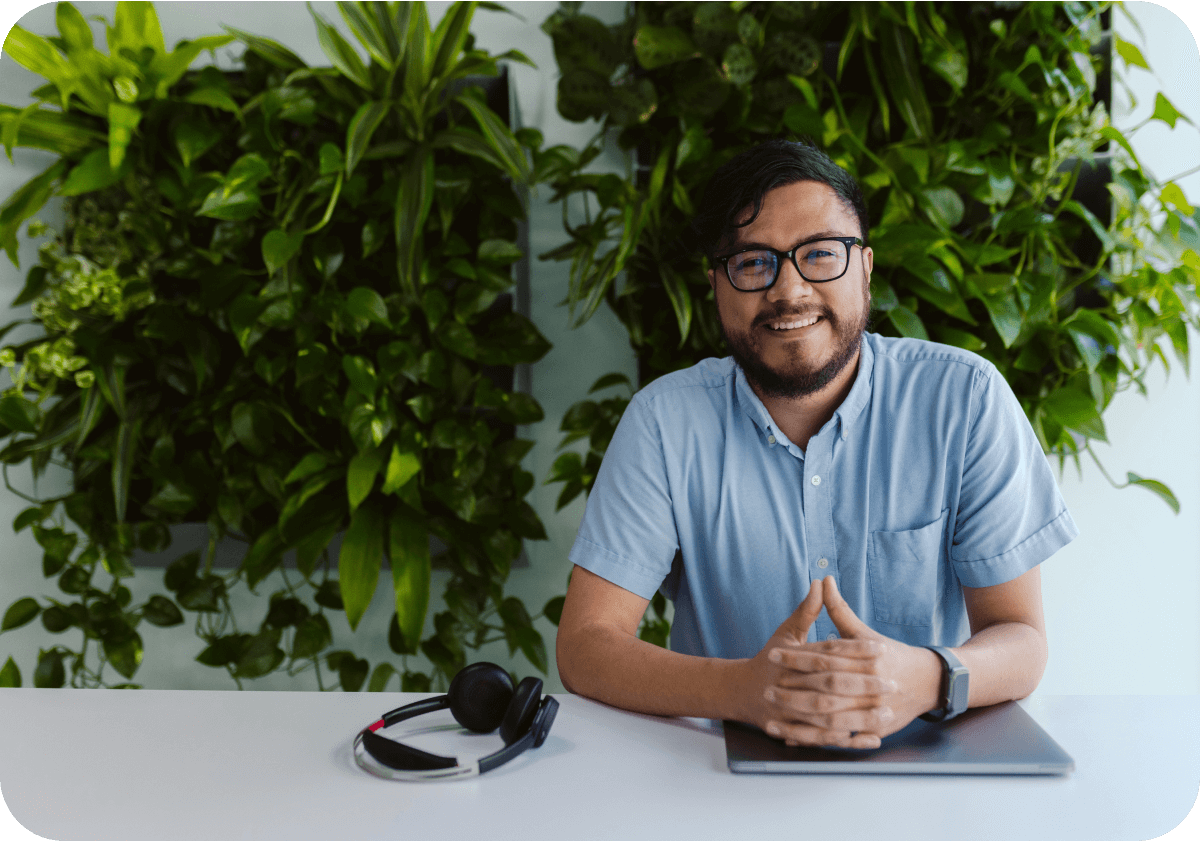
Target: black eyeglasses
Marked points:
817	260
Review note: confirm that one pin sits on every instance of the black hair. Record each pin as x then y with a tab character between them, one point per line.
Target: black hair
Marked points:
746	178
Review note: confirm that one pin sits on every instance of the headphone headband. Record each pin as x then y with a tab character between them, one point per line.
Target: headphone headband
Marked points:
481	698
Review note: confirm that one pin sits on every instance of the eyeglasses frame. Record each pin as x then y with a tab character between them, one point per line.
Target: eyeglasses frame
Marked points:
849	242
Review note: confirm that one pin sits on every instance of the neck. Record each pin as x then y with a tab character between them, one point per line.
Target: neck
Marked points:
800	418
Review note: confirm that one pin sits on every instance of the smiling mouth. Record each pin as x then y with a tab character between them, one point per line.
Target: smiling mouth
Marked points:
793	324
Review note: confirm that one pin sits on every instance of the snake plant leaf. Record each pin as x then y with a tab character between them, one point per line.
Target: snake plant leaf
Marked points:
122	120
450	36
361	559
167	69
367	30
358	135
135	26
122	465
340	53
35	53
681	300
414	200
408	556
67	135
25	202
392	23
271	51
499	137
901	72
416	58
73	28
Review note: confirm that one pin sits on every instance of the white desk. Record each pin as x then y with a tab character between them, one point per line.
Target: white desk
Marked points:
91	765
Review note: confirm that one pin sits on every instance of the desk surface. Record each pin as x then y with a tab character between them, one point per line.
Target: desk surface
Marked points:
93	764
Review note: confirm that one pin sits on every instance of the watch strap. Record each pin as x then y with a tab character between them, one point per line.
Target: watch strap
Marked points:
953	692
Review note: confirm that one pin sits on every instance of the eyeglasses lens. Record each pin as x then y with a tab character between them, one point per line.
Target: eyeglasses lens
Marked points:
818	261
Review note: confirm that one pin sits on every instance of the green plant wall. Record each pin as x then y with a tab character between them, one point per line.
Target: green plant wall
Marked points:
969	126
277	307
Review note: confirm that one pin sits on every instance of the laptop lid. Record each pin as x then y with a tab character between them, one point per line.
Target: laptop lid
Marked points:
1000	739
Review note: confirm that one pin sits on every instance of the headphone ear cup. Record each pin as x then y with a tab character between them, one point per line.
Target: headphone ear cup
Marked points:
521	710
479	696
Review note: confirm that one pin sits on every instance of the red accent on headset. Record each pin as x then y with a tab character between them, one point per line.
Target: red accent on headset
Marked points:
378	725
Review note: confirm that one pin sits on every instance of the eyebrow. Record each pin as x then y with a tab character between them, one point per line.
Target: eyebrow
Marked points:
745	246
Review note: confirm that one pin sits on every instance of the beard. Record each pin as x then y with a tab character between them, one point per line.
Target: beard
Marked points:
799	376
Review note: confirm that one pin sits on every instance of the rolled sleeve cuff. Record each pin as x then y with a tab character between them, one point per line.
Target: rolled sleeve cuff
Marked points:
627	574
988	572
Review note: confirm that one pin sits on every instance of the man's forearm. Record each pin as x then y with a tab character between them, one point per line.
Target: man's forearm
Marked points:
1006	662
617	668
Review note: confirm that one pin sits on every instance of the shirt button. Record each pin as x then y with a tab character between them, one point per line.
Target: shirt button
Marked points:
770	439
831	637
816	480
824	562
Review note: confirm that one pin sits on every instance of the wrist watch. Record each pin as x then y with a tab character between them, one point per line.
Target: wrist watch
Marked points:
954	690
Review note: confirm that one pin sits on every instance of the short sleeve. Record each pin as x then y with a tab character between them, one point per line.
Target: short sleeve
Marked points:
1011	515
628	534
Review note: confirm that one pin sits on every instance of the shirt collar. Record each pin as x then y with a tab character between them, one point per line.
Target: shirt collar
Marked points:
850	408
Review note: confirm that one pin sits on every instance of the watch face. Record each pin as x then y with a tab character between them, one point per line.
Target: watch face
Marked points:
959	690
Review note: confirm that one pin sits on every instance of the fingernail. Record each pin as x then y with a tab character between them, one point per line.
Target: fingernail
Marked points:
769	694
886	714
774	729
776	656
893	686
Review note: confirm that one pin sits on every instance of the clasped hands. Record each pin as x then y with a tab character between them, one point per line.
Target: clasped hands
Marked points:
848	692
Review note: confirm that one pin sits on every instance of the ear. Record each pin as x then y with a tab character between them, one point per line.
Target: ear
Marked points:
712	280
868	261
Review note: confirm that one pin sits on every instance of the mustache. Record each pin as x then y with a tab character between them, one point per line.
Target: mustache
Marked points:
792	314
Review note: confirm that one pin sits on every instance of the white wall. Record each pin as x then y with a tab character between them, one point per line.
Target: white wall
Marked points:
1121	601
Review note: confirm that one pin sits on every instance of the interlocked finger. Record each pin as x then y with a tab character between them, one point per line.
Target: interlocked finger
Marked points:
830	712
838	683
812	660
805	735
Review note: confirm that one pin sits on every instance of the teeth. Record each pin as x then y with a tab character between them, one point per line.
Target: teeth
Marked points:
791	325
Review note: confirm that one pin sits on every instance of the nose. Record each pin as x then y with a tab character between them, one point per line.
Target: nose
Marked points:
790	284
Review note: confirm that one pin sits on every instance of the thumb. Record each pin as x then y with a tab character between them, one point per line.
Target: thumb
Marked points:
796	626
843	617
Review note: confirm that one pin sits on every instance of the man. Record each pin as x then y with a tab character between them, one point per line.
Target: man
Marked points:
819	460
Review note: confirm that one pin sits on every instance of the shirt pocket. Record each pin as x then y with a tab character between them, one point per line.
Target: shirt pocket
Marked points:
903	566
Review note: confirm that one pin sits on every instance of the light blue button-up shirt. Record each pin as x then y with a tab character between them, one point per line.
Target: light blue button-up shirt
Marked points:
926	479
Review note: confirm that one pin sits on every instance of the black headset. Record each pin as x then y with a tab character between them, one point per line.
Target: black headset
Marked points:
481	698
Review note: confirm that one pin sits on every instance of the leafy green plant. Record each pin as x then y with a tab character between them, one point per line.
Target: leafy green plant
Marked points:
278	306
969	127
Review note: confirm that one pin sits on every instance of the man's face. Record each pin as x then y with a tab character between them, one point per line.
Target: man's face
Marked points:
784	361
